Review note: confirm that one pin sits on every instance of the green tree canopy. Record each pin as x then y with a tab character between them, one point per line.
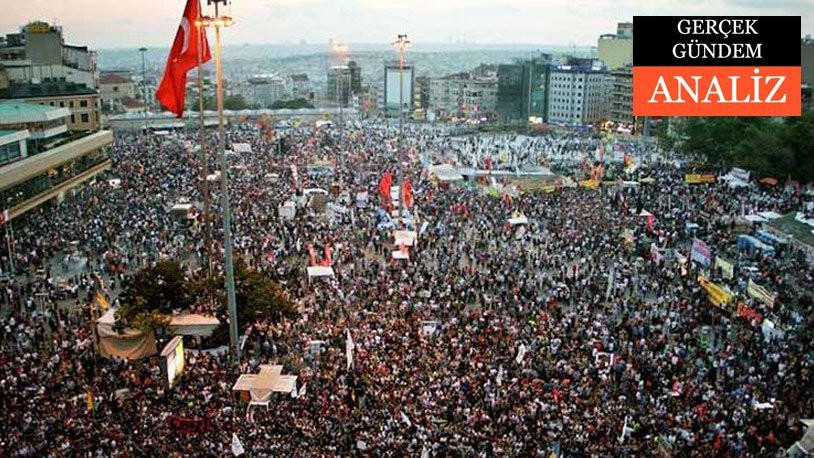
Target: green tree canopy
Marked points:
152	292
766	146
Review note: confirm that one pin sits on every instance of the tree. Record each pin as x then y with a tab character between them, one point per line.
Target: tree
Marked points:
230	102
764	145
256	295
151	294
291	104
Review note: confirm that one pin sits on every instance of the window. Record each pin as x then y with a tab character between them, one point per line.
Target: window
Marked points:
70	103
61	104
115	88
73	119
83	103
85	117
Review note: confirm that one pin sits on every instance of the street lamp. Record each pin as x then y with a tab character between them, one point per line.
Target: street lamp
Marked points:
401	44
339	50
220	22
143	50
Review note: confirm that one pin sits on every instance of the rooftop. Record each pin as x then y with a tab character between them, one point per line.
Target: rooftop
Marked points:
50	89
13	112
113	78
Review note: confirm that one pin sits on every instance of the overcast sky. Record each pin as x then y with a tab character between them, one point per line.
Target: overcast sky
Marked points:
133	23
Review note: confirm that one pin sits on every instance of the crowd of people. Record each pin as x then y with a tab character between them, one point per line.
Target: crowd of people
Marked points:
557	336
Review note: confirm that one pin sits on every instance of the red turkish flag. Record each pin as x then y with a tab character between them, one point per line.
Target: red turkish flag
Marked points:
384	186
183	58
407	194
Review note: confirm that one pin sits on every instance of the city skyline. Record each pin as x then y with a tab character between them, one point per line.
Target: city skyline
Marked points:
132	23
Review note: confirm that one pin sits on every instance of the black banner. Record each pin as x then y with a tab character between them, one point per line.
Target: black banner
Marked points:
716	40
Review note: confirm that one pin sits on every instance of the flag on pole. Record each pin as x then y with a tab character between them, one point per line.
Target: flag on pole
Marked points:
385	183
237	446
407	194
102	301
301	394
183	58
625	430
89	399
349	348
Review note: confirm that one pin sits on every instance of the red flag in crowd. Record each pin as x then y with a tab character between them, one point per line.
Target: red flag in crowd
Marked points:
384	186
407	194
183	58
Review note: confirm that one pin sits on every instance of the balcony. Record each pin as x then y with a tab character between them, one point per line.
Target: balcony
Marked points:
35	165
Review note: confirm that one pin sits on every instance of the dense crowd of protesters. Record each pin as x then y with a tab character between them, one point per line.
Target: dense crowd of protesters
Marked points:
559	336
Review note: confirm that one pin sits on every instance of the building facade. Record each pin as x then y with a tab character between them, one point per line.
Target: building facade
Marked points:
578	92
301	87
263	90
339	86
807	60
523	90
114	90
464	94
616	50
84	103
48	159
620	98
38	54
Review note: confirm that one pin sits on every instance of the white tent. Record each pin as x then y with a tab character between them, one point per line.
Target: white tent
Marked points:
320	271
130	344
241	148
191	324
518	220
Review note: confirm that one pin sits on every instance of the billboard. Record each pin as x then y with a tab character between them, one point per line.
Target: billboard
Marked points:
172	359
391	86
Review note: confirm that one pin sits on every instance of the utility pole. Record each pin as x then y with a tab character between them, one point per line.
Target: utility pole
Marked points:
340	51
205	196
401	44
143	50
219	22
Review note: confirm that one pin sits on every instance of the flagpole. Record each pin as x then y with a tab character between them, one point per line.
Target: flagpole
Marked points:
204	166
219	22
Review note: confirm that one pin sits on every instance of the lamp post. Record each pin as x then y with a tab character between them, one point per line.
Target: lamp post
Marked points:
340	51
401	44
143	50
220	22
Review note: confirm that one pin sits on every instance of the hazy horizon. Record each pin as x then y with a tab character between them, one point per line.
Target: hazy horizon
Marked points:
129	24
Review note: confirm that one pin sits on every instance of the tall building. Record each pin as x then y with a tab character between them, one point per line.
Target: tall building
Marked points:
355	77
339	85
38	54
263	90
522	90
40	159
807	59
577	92
84	103
116	90
301	87
616	50
422	93
620	98
467	94
395	94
